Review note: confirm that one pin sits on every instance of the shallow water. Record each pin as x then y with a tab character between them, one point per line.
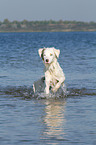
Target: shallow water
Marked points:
67	118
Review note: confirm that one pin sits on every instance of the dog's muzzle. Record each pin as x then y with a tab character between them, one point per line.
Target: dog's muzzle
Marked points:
47	61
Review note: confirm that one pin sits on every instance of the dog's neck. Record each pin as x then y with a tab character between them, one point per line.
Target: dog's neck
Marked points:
51	65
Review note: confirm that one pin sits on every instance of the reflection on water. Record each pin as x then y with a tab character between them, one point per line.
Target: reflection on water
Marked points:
54	119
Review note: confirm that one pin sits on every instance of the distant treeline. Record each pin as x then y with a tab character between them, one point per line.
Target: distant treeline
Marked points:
46	26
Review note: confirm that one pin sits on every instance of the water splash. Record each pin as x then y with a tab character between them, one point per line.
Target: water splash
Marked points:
61	93
27	92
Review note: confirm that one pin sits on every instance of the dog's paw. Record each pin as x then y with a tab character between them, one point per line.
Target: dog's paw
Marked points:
54	90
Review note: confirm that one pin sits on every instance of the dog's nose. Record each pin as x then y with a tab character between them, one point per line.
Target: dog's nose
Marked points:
47	60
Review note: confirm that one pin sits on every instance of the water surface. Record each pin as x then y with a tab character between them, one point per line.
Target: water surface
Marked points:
64	119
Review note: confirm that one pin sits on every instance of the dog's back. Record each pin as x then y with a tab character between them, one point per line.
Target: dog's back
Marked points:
39	85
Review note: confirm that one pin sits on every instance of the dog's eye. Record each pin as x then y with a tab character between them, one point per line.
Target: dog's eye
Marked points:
51	54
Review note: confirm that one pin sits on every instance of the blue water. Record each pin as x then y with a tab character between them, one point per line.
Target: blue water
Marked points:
68	119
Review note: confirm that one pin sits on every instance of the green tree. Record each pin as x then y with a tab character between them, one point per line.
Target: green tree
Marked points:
6	21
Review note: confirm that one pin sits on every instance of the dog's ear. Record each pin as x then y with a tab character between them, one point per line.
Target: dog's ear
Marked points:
40	52
57	52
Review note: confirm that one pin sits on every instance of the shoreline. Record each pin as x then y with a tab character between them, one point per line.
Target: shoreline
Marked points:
21	31
47	26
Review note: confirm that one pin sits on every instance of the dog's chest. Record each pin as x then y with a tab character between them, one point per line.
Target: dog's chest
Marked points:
53	73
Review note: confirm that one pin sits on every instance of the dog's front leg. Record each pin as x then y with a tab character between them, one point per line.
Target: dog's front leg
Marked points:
57	86
47	88
47	82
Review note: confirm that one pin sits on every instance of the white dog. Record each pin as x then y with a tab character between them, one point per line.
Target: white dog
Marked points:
54	76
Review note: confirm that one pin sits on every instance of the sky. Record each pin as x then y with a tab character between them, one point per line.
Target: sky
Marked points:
32	10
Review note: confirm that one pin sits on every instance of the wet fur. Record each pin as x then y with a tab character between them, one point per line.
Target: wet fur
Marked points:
54	76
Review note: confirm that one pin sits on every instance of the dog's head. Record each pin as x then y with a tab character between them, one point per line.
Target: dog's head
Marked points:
48	54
